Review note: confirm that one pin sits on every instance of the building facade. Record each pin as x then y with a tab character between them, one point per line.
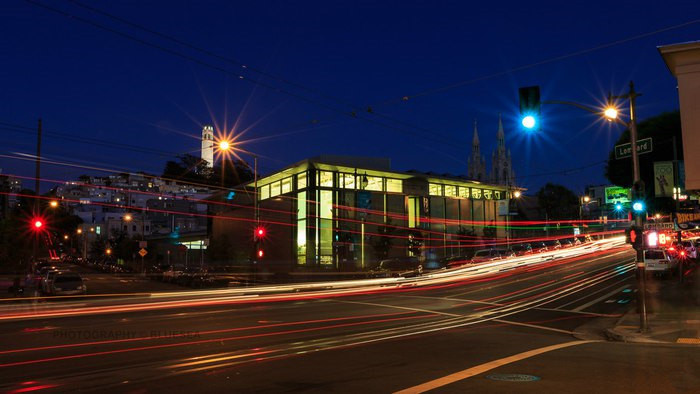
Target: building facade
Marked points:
344	213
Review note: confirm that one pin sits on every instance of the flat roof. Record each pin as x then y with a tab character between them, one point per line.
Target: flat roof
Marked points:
364	166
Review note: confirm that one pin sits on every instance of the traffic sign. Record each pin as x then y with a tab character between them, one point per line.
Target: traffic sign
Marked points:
143	244
659	226
625	150
143	252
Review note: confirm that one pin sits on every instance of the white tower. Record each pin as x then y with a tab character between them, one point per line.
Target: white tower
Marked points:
208	145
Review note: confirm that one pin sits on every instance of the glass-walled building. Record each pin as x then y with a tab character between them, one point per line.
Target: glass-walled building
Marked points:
343	213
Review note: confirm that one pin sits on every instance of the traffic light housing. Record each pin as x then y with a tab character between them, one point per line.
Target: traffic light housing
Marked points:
639	206
634	237
530	107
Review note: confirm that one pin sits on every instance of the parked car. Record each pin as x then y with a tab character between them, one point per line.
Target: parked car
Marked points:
67	283
506	253
173	272
445	262
46	280
398	267
522	249
553	244
566	243
539	247
484	255
659	261
690	249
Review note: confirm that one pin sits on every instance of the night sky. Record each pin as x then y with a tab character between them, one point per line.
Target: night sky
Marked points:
321	61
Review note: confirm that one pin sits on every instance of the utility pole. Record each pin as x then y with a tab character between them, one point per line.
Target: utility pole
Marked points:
37	182
638	187
37	185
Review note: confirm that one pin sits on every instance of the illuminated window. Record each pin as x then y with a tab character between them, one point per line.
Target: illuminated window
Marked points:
301	228
275	189
286	185
464	192
413	212
325	179
265	192
375	183
347	181
450	191
435	189
301	180
394	185
476	194
324	232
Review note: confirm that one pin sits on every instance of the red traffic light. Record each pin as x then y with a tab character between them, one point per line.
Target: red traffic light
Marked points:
260	253
37	224
260	232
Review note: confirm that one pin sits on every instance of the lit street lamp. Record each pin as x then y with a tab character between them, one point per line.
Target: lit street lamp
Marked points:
53	204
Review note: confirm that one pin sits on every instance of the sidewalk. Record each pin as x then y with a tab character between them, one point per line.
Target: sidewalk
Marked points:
673	312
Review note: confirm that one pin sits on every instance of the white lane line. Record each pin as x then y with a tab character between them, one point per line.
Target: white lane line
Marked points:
515	323
479	369
402	307
462	315
601	298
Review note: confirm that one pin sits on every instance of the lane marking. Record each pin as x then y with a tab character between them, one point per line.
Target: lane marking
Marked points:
479	369
601	298
458	315
515	323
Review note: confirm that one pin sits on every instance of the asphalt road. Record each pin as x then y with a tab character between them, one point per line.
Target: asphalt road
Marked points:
536	329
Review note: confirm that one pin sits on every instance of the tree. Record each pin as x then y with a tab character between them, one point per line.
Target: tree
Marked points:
189	168
661	128
558	202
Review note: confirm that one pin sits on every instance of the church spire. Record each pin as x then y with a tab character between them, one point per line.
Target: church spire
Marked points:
501	135
475	140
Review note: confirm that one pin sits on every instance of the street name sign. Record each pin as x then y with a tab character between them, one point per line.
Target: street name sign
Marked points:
625	150
659	226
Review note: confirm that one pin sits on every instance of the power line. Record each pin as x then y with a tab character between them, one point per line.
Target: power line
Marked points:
355	114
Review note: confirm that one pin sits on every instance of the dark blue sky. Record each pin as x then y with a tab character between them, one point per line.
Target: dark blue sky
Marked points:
91	83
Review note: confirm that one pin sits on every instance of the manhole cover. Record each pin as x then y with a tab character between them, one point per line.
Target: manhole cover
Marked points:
513	377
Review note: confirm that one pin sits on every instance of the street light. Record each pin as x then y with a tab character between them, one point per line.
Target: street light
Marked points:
517	194
108	251
65	237
127	218
53	203
610	113
224	145
79	231
586	199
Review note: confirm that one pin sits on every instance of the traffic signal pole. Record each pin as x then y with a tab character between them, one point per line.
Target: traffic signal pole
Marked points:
641	269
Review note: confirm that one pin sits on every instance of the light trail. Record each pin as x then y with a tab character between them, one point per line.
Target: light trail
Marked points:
315	290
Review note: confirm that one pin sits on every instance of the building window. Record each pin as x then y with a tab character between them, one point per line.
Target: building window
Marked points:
450	191
301	180
325	179
133	228
414	212
301	228
265	192
374	183
435	189
275	189
347	181
286	185
324	232
394	185
464	192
